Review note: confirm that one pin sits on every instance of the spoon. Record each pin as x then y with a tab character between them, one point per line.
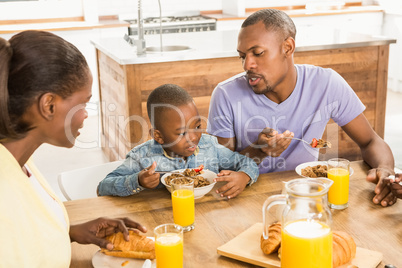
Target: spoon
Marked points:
306	142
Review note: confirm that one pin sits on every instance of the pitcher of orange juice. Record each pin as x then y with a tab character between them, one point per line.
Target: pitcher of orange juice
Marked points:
306	223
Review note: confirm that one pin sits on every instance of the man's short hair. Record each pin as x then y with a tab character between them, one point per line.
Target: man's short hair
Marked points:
165	97
273	19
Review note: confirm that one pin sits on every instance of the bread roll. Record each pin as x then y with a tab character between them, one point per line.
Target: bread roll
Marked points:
274	239
343	248
138	246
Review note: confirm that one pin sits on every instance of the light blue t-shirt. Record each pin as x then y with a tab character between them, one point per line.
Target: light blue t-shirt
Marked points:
319	95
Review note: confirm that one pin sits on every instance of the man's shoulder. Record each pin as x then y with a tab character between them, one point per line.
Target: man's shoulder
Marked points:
234	81
314	72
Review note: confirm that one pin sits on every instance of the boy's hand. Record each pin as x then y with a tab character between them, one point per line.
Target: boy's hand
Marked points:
148	178
236	182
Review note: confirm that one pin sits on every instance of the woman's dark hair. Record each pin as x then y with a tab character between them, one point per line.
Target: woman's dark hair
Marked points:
273	19
33	63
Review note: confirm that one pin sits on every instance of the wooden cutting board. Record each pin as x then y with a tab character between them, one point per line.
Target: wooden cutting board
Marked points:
246	247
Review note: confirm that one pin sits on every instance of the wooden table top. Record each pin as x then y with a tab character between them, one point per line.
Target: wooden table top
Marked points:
218	221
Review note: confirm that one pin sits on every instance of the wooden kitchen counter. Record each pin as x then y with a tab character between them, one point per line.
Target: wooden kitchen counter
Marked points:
125	79
218	221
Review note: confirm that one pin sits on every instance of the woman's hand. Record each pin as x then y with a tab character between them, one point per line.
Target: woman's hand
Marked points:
95	231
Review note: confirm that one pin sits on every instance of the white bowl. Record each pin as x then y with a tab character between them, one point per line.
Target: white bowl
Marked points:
198	191
315	163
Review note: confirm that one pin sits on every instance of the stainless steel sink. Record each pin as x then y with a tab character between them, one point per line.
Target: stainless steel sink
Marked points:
167	49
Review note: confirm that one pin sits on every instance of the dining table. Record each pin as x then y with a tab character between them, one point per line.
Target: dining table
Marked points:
219	220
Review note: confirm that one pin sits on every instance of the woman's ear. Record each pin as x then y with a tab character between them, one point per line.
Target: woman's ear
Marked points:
289	46
47	105
156	135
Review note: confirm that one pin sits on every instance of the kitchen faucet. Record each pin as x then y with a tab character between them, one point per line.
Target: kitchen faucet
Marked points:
141	49
140	43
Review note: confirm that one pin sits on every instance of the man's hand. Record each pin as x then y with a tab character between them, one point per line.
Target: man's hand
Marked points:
383	191
396	185
148	178
236	182
95	231
273	144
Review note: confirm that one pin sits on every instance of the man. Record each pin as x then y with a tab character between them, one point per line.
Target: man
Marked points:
259	111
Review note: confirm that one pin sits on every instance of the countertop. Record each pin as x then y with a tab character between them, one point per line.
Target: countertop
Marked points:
221	44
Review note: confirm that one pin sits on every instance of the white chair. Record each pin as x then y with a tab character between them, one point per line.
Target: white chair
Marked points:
82	183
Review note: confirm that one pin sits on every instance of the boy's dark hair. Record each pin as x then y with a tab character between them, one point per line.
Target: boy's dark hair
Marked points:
165	97
273	19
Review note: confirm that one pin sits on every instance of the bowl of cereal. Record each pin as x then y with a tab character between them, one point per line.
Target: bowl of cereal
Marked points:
315	169
203	180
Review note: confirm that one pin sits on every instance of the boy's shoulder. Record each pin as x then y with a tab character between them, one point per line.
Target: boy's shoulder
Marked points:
207	139
150	147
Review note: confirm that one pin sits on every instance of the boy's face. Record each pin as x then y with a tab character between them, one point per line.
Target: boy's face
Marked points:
180	130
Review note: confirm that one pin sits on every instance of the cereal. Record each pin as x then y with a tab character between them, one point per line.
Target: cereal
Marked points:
198	180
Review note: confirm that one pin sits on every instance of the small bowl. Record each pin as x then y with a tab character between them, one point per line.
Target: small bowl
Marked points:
198	191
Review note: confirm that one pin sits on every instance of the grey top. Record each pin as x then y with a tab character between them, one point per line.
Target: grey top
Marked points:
221	44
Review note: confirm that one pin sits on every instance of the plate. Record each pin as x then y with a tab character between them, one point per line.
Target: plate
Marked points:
200	191
315	163
100	260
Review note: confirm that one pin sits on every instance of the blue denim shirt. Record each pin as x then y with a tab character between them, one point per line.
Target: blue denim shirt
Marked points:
123	181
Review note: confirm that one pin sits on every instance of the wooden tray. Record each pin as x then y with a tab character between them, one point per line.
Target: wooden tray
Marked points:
246	247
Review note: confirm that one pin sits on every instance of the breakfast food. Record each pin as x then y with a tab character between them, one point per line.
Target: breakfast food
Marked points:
343	248
343	245
199	181
138	246
315	171
320	143
273	242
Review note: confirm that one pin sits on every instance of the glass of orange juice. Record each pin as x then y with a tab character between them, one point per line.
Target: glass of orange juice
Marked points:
338	172
183	202
169	246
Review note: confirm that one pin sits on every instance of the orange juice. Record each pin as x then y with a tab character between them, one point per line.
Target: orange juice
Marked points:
169	251
183	207
306	244
338	194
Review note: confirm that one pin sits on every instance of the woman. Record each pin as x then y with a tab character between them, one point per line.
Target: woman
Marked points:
45	84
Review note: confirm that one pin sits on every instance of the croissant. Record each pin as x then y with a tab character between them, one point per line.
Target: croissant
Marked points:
138	246
343	248
273	242
343	245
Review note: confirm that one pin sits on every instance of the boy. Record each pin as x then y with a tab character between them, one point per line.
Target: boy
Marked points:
177	144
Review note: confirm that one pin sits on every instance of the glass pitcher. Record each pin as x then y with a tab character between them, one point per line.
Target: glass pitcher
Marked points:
306	223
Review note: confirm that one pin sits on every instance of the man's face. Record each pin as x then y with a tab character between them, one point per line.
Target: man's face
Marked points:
263	57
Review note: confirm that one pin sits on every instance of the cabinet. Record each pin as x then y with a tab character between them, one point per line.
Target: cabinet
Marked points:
366	23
